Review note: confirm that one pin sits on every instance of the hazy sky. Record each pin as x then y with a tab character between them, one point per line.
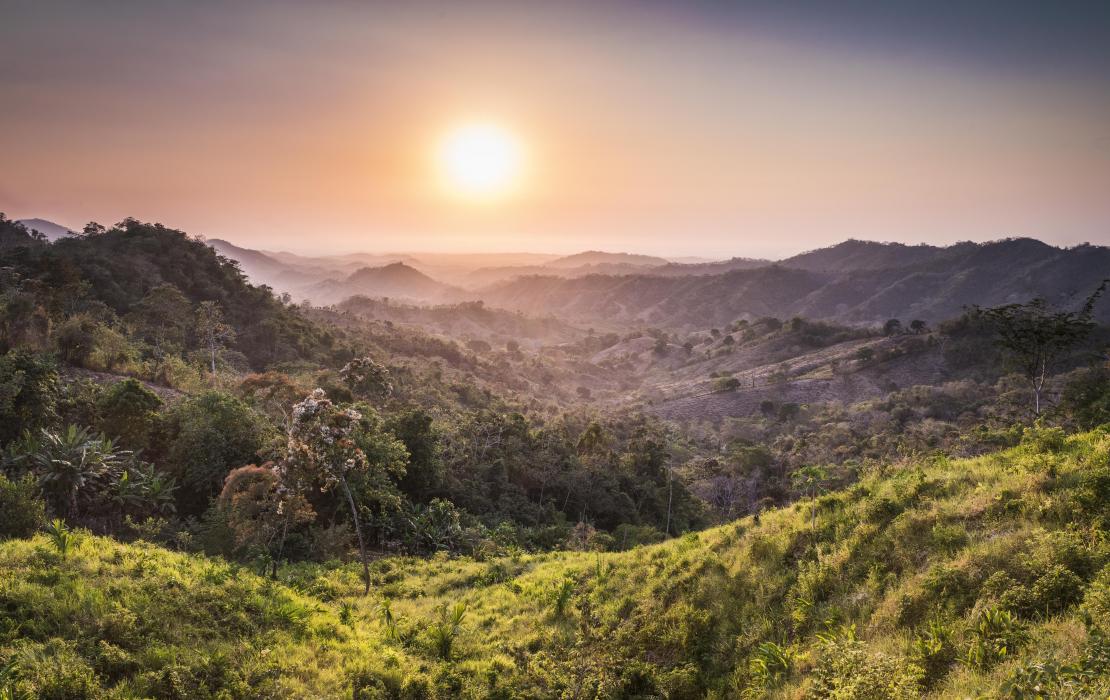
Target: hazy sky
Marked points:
685	128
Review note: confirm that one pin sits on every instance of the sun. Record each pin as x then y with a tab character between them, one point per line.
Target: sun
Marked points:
480	160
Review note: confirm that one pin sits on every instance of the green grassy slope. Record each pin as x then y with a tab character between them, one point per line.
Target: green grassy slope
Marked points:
946	579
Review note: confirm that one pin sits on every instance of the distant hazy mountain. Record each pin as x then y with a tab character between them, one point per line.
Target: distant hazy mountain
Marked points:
852	282
869	255
51	230
677	269
492	275
396	281
867	285
597	257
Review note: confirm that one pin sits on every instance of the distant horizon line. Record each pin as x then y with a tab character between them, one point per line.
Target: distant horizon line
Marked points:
670	258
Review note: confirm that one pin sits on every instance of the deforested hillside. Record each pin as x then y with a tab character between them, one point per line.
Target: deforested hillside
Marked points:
686	301
871	255
472	322
889	282
985	577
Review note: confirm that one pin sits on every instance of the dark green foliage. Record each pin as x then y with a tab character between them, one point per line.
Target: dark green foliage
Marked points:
129	413
995	635
75	469
28	393
424	472
1035	338
133	268
15	235
22	512
727	384
208	436
1086	398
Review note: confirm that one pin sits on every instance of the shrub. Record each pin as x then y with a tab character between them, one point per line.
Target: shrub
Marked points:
442	632
848	671
770	663
935	651
995	635
882	510
74	468
1096	602
22	512
1042	439
1056	590
948	538
726	384
561	594
61	537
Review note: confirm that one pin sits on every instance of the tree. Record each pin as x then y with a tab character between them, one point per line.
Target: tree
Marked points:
1036	337
366	377
23	320
272	393
28	393
327	448
810	480
93	229
424	472
918	326
892	327
213	332
161	316
208	436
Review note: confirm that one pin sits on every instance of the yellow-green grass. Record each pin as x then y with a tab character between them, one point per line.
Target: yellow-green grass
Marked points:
845	588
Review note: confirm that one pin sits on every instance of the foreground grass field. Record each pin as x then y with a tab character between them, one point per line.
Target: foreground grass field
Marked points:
982	577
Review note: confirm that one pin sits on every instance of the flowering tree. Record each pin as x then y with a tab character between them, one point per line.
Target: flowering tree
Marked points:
329	446
365	377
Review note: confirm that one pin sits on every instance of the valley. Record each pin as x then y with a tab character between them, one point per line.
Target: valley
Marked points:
611	499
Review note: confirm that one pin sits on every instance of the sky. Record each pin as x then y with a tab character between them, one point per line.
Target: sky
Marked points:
714	129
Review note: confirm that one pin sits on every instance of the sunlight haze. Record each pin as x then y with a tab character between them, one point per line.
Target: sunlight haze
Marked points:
676	129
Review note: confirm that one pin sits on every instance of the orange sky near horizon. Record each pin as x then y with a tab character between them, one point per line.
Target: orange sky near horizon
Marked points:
284	126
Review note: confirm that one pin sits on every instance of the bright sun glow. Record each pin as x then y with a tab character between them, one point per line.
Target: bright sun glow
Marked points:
480	160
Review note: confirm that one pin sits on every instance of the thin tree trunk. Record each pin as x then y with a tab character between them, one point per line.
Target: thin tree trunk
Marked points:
358	532
281	547
670	494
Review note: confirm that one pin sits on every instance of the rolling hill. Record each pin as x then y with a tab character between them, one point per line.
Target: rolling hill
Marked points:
396	280
597	257
961	578
929	285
